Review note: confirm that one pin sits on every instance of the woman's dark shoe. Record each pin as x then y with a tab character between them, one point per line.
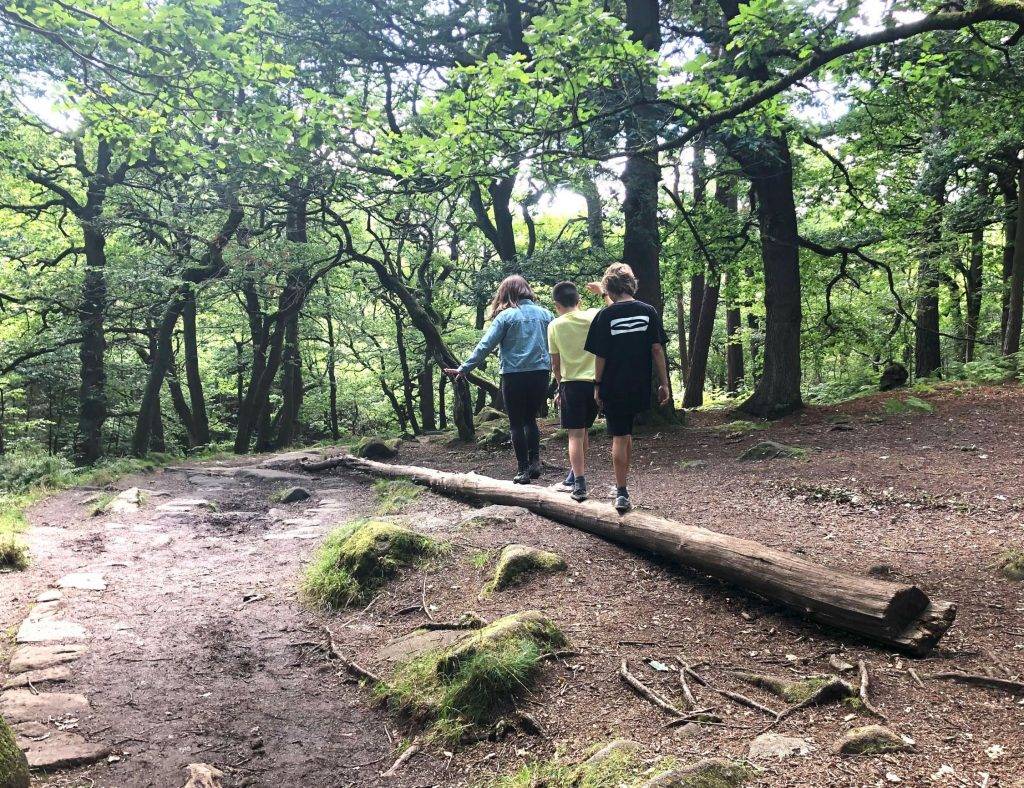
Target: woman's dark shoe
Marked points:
535	469
523	477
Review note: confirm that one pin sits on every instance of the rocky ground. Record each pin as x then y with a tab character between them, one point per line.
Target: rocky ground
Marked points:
168	630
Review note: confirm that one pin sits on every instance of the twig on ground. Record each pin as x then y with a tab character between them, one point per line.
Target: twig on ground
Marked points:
863	691
915	677
734	696
687	692
423	600
646	692
1014	687
406	756
352	667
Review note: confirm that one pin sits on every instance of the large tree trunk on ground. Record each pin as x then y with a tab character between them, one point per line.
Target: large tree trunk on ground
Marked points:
1015	303
897	615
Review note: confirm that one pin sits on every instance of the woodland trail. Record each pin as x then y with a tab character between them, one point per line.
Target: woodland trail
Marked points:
200	651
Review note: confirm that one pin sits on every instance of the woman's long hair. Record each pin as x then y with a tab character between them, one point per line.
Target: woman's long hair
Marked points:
511	291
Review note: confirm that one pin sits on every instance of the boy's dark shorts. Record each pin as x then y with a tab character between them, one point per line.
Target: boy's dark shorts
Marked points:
619	422
579	409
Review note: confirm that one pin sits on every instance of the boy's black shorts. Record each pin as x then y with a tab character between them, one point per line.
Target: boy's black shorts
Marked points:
619	422
579	409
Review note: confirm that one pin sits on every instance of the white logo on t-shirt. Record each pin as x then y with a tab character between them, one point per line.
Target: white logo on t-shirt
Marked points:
629	325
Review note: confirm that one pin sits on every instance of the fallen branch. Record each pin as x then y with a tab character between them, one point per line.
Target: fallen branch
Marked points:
646	692
915	677
1014	687
897	615
423	600
406	756
323	465
354	668
697	717
743	700
863	690
687	692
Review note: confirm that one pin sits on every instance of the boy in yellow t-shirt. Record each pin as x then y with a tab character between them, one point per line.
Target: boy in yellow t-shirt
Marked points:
573	368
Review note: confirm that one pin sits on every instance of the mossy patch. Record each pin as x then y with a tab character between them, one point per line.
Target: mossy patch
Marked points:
898	407
394	495
357	559
619	766
872	740
481	558
792	692
709	773
519	562
692	465
13	765
493	435
473	681
1011	565
13	552
741	427
771	450
487	415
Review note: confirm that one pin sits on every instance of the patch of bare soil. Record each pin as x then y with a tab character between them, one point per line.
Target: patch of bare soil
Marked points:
201	651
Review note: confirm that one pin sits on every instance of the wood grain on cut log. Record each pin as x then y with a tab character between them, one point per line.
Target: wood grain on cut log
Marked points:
897	615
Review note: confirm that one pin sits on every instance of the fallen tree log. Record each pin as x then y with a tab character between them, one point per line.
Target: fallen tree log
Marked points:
896	615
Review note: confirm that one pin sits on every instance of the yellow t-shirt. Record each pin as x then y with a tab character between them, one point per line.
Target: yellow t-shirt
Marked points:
566	336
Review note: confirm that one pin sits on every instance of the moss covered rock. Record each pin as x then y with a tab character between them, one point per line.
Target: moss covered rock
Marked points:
709	773
356	559
1011	565
13	764
487	415
370	448
872	740
518	562
472	681
493	435
771	450
792	692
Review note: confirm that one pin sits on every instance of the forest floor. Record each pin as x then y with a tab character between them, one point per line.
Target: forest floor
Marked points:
200	650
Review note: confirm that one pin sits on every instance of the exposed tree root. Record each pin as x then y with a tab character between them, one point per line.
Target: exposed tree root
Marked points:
646	692
354	668
864	690
407	755
1014	687
834	689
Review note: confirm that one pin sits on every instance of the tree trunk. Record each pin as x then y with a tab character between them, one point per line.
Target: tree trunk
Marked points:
1008	186
693	394
1016	298
769	168
296	286
332	374
898	615
92	398
442	404
973	289
595	213
192	377
927	347
684	352
159	361
733	349
428	409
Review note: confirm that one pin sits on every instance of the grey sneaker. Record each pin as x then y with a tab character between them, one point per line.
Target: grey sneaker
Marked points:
623	504
579	490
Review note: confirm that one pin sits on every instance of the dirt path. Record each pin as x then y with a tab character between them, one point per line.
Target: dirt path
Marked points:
181	668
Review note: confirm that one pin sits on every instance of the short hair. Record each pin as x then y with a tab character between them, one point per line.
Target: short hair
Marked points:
566	294
619	279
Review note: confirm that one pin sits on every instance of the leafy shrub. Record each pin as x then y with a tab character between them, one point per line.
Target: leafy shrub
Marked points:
27	467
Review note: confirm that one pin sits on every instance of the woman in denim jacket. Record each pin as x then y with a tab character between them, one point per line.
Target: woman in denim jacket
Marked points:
519	328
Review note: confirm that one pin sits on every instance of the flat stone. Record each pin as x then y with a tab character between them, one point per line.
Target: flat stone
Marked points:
50	595
162	540
40	657
416	643
22	705
125	502
61	750
48	630
272	475
53	675
493	515
305	532
182	505
289	459
777	746
293	494
85	581
43	611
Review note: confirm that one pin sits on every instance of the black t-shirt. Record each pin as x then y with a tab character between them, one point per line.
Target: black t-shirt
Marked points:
622	334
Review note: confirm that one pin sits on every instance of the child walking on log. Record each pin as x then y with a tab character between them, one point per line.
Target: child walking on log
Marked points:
573	368
519	327
628	340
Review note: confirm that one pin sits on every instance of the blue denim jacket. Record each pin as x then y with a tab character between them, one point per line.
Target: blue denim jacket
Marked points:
522	333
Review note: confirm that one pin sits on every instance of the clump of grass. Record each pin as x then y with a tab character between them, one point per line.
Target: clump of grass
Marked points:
473	681
620	768
101	503
480	559
394	495
357	559
898	407
13	552
741	427
1011	565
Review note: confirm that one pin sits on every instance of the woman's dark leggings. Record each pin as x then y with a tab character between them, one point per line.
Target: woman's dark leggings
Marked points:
525	393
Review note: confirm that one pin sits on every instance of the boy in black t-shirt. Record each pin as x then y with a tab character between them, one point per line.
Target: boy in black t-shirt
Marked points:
628	339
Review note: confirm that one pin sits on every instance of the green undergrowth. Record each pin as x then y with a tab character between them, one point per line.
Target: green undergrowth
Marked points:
358	558
741	427
899	407
472	682
394	495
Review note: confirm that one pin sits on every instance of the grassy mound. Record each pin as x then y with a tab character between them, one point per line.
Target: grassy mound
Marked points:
394	495
488	414
492	434
371	448
356	559
518	562
13	552
1011	565
13	766
474	680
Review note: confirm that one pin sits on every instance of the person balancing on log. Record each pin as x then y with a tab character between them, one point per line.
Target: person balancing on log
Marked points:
628	340
519	327
573	368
